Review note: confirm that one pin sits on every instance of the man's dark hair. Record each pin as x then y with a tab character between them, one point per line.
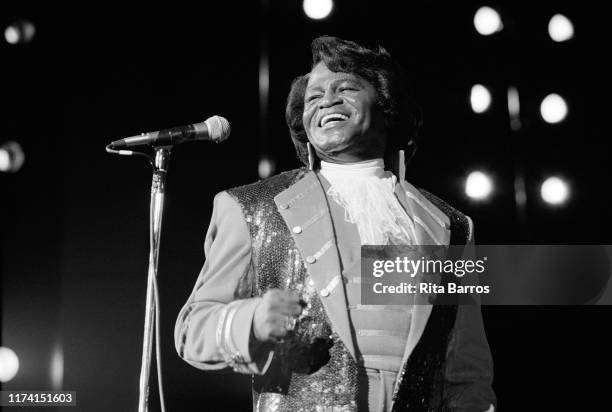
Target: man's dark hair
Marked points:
402	116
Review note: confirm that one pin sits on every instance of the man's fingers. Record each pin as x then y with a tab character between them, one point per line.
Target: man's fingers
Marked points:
280	328
284	302
293	310
286	296
284	310
278	332
276	316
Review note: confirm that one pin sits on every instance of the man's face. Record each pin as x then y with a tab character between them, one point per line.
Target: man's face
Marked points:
341	118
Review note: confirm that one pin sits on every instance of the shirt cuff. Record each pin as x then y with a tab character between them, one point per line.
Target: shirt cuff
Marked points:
233	333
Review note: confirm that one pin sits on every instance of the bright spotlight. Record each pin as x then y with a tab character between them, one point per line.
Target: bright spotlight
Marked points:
56	369
478	185
11	35
19	32
514	108
318	9
554	191
553	108
480	98
487	21
9	364
11	157
560	28
266	167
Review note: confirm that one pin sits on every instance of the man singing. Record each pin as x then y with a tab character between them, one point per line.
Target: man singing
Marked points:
279	294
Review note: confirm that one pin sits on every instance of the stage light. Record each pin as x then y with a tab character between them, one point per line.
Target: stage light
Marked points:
56	369
11	35
266	167
514	108
478	185
560	28
553	108
487	21
5	160
20	32
318	9
9	364
480	98
554	191
11	157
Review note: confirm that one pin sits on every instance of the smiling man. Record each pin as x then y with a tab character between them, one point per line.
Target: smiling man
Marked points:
341	117
279	294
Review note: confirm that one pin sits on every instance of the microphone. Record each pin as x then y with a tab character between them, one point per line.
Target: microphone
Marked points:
215	128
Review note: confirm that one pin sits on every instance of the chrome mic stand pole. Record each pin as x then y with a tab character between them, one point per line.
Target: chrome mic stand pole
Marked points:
160	166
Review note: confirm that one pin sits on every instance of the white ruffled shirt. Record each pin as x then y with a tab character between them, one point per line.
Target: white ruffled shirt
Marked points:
366	191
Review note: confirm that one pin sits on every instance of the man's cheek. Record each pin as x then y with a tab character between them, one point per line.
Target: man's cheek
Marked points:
307	117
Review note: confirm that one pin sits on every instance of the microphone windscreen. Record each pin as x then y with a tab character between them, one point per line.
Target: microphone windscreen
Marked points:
218	128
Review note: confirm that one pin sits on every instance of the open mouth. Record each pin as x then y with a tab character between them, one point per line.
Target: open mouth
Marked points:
330	120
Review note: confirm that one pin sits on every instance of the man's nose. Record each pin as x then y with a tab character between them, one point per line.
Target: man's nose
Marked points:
330	98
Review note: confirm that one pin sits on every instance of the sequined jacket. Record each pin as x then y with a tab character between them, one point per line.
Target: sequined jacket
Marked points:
278	233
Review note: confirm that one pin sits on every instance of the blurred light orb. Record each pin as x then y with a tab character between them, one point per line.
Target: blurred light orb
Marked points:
554	191
480	98
318	9
56	369
560	28
5	161
11	157
11	35
487	21
266	168
553	108
21	31
478	185
9	364
514	108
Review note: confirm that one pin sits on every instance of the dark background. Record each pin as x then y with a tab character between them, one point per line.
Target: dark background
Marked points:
74	236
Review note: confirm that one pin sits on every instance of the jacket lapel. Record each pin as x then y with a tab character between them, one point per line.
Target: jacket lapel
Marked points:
432	228
305	211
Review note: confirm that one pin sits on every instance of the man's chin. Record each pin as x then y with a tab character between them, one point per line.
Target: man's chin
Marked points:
332	150
330	144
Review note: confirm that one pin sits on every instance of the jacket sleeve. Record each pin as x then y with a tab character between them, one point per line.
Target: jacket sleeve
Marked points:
469	366
213	328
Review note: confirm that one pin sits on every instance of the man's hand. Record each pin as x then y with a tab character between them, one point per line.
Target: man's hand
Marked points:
275	315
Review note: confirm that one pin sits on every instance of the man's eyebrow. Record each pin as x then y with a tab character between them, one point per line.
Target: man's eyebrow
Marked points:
348	77
314	87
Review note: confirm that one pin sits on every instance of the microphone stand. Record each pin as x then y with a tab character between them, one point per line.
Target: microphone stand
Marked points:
214	128
151	323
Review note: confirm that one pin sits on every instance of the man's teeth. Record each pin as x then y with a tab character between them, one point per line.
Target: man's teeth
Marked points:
333	117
